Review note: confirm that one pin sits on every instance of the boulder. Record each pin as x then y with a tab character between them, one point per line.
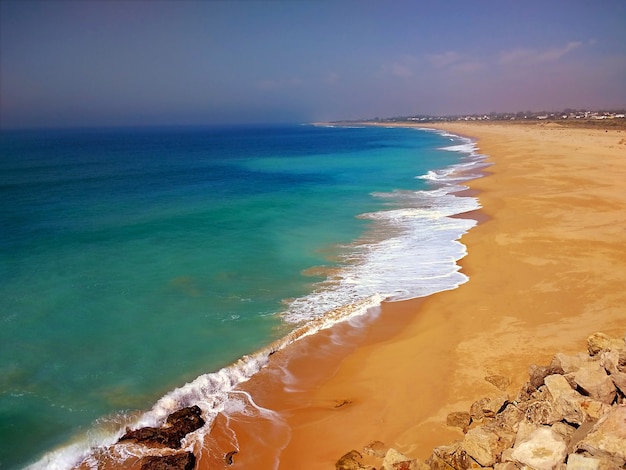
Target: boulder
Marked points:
453	456
610	361
570	363
594	381
569	405
476	410
483	445
564	430
509	418
395	460
349	461
179	461
608	437
376	449
578	435
506	466
487	407
537	374
542	412
177	426
598	342
543	449
619	380
459	419
581	462
499	381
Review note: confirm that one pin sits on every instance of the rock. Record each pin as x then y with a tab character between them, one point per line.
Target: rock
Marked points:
487	407
619	380
558	387
446	457
506	456
494	406
476	410
564	430
395	460
538	373
570	363
179	461
580	462
569	405
509	418
610	361
506	466
543	412
459	419
524	431
229	458
499	381
376	448
178	425
579	435
483	445
542	450
594	381
350	461
608	437
600	342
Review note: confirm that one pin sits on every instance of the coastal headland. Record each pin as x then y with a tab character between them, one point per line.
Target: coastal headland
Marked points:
547	269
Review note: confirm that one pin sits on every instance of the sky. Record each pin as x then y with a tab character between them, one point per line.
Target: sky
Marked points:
192	62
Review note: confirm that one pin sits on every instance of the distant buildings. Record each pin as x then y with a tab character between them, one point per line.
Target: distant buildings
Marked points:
567	114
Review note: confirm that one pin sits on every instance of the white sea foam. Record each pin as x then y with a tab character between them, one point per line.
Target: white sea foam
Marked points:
411	251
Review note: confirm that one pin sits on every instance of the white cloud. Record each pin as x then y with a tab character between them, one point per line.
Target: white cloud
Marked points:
444	60
404	67
525	56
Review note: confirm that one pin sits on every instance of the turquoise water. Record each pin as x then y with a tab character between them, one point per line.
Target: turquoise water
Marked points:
133	261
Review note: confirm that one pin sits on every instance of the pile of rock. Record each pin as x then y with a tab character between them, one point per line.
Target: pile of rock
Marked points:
570	415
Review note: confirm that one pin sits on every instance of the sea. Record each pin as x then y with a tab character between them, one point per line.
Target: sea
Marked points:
140	266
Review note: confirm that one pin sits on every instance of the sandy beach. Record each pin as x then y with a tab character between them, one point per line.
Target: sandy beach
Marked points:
546	270
547	266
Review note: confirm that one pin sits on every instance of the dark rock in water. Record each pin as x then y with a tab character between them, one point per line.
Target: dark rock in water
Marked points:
178	425
186	420
179	461
229	457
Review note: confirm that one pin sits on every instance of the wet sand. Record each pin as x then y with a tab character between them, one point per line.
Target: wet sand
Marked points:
547	268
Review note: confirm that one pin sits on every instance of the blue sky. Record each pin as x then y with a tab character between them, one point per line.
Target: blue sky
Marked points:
140	62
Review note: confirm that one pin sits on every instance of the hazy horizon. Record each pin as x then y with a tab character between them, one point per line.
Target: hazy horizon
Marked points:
165	63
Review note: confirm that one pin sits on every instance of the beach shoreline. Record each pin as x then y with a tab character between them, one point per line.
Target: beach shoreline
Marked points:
546	268
545	272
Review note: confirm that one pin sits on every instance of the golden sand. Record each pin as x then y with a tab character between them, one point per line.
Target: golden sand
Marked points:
546	270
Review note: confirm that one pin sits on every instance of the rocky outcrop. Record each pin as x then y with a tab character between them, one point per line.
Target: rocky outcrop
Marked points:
177	426
570	415
170	435
179	461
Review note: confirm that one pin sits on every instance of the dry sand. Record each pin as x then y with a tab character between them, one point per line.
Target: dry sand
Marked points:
546	270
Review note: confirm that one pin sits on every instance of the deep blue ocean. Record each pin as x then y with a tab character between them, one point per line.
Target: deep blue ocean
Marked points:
134	260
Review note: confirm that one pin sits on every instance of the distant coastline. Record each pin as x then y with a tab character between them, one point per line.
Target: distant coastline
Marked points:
615	118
